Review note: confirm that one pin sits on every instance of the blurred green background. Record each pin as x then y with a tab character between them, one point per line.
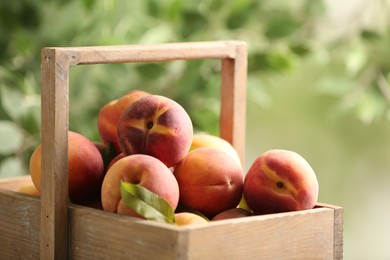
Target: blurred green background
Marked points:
318	84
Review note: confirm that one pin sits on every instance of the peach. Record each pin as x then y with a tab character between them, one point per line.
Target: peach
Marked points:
189	218
29	189
232	213
110	113
210	181
156	126
200	140
143	170
280	181
85	168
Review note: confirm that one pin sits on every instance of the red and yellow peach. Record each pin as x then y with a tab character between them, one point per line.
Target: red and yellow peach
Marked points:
85	168
210	181
189	218
201	140
280	181
109	114
143	170
157	126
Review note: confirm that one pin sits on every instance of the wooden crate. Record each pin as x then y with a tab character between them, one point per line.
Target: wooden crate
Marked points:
51	228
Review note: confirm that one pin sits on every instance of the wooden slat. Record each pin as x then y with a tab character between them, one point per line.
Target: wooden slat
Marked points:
233	100
150	52
338	230
19	225
94	234
15	183
54	135
338	233
294	235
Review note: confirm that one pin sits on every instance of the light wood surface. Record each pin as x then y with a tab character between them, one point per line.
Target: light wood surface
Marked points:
95	234
15	183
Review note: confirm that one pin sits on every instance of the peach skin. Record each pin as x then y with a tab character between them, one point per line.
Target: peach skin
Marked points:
110	113
85	168
156	126
141	169
280	181
210	181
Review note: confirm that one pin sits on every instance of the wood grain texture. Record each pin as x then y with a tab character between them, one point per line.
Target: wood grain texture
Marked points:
95	234
15	183
233	100
19	225
338	233
338	230
54	139
297	235
150	52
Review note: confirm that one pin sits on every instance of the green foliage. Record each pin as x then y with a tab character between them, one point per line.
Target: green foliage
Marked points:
280	35
357	73
146	203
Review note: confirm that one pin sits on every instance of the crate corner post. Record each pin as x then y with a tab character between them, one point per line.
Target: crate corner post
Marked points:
55	65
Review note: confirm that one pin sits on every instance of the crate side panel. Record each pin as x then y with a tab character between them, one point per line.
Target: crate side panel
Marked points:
338	233
15	183
338	229
19	226
303	235
95	234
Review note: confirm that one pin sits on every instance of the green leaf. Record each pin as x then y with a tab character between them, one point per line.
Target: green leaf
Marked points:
300	48
281	24
281	60
370	106
239	13
89	4
370	35
11	137
150	71
146	203
356	58
315	8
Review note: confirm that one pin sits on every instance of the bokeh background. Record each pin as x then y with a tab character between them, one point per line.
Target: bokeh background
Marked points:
318	84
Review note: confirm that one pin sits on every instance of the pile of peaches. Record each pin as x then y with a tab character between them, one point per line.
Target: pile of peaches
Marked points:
148	141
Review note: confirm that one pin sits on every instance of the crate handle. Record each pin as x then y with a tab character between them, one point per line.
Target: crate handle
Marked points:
55	64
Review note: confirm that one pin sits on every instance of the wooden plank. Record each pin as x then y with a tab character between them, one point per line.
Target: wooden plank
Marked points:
95	234
293	235
150	52
338	233
15	183
54	135
338	230
19	225
233	100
